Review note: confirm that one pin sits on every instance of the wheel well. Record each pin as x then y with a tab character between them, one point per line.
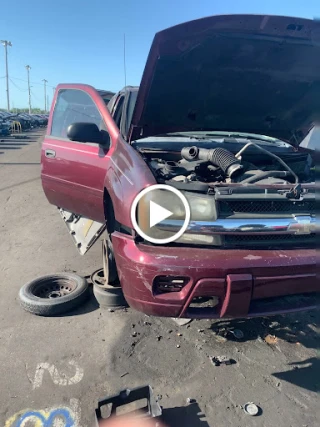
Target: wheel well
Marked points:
109	212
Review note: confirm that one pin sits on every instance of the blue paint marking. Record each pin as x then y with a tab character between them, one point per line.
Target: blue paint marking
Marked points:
48	422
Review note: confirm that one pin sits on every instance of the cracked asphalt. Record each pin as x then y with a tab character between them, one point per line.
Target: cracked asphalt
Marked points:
68	363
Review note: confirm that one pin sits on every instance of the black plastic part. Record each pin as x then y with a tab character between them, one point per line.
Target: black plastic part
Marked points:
220	157
196	186
127	396
294	193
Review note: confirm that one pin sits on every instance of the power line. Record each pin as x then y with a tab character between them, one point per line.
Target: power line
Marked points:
34	96
19	88
34	83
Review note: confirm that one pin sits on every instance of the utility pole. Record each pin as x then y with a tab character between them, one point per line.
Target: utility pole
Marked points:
28	71
45	94
6	43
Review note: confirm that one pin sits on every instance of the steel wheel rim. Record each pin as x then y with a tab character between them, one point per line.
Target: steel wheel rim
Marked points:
98	278
54	289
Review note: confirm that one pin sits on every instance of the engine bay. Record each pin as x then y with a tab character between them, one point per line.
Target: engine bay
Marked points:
197	167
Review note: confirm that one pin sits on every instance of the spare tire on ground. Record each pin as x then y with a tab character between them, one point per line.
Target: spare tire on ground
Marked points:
53	294
108	296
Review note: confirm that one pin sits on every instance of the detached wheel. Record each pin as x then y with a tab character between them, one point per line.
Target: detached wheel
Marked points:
108	296
53	294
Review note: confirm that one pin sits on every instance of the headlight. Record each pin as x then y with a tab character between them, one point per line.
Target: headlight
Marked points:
202	208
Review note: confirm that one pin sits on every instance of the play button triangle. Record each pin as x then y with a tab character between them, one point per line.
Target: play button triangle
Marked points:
158	214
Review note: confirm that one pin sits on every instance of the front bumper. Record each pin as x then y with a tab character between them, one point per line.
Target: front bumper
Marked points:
246	282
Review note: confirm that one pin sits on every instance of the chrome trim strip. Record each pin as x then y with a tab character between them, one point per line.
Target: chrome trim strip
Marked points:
295	225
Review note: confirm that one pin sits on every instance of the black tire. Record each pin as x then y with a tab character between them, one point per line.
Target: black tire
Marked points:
53	294
109	262
109	296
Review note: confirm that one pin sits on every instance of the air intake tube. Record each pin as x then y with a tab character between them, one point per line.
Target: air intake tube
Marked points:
220	157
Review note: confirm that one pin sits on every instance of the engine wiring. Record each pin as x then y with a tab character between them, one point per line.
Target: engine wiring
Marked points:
238	156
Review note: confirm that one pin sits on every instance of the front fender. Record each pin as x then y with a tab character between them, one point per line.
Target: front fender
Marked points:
126	176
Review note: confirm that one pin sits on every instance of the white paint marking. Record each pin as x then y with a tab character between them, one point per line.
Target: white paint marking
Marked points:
57	379
76	409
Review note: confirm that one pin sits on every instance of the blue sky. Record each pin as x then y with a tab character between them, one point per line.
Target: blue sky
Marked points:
82	41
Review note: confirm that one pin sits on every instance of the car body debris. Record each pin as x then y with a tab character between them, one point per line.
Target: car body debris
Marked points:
274	325
238	334
220	338
124	374
271	339
222	360
181	322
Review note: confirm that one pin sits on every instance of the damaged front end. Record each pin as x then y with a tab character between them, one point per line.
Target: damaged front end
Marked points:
257	195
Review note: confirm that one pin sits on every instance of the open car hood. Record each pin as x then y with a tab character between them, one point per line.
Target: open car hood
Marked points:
237	73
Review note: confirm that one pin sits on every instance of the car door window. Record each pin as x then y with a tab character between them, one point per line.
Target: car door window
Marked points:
131	105
118	111
72	106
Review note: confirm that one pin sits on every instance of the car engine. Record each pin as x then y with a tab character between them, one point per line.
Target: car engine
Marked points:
218	165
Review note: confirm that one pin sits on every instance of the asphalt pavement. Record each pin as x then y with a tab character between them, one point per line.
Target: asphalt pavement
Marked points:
55	369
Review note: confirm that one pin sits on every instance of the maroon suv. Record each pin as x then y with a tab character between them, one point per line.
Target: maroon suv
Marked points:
222	109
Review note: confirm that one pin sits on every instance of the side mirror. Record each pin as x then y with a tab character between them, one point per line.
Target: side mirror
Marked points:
87	132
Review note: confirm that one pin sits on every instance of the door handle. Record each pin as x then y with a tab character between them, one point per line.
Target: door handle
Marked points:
51	154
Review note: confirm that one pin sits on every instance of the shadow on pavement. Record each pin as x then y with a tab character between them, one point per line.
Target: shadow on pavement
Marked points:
294	328
90	305
19	141
305	374
185	416
300	329
19	183
13	144
7	147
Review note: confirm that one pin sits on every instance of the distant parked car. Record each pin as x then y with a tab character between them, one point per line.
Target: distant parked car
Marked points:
5	123
23	120
41	120
4	128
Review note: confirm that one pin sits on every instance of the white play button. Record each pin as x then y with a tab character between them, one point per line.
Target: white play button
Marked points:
158	213
157	204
